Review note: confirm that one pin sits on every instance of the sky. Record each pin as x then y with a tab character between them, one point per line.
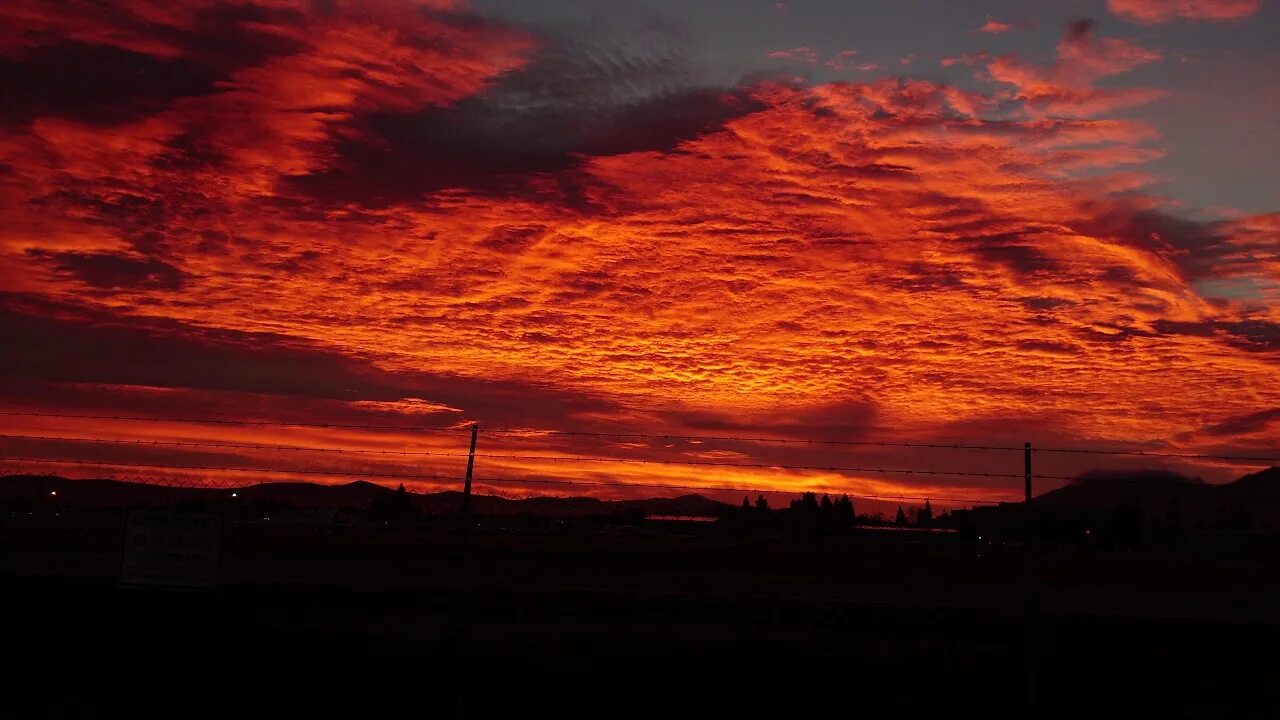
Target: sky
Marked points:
980	223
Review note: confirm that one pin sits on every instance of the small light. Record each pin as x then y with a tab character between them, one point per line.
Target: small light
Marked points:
234	495
53	492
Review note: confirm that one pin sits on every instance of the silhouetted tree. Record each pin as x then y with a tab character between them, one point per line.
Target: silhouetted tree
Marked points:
806	504
396	506
809	502
826	504
805	513
924	517
746	503
901	518
844	512
761	503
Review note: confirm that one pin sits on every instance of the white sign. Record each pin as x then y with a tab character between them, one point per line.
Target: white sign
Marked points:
171	549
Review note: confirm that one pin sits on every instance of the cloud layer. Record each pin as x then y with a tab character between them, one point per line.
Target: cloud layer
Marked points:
405	210
1154	12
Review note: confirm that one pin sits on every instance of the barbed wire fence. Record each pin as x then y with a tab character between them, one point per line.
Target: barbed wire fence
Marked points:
203	479
220	476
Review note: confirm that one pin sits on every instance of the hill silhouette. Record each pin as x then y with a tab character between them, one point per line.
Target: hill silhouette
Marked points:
1262	484
1155	491
360	494
1150	490
1252	501
1152	498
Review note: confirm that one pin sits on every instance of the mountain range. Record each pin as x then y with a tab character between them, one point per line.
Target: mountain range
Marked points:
1155	493
358	495
1251	501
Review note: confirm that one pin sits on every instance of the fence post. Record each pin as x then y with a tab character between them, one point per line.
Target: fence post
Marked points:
1031	629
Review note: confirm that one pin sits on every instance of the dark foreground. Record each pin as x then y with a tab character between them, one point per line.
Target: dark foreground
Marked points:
537	625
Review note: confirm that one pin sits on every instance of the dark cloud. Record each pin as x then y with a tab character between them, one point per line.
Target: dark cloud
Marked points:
402	157
1045	303
1049	347
108	271
839	420
1011	253
1196	246
59	343
570	103
103	84
121	208
1251	335
1079	30
94	83
226	36
926	277
1244	424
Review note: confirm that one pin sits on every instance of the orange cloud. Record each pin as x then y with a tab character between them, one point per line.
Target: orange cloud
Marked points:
1153	12
800	54
412	217
842	59
1068	86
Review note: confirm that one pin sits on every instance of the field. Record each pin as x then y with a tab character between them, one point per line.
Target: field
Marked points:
394	617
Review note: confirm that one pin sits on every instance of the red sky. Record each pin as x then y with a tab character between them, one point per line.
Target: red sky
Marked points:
401	213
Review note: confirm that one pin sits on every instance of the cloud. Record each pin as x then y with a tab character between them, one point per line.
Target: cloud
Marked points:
95	83
1254	335
109	271
842	60
995	27
833	420
1049	348
798	54
401	210
1242	424
66	344
566	105
1067	87
1154	12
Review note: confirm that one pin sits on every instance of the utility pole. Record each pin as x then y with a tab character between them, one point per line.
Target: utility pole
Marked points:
462	595
1027	470
466	489
1032	649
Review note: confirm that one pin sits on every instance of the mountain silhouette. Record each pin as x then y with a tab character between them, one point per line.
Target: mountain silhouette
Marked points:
360	494
1264	484
1150	490
1154	498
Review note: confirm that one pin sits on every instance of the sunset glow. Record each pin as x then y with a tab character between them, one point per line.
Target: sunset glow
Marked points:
428	214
